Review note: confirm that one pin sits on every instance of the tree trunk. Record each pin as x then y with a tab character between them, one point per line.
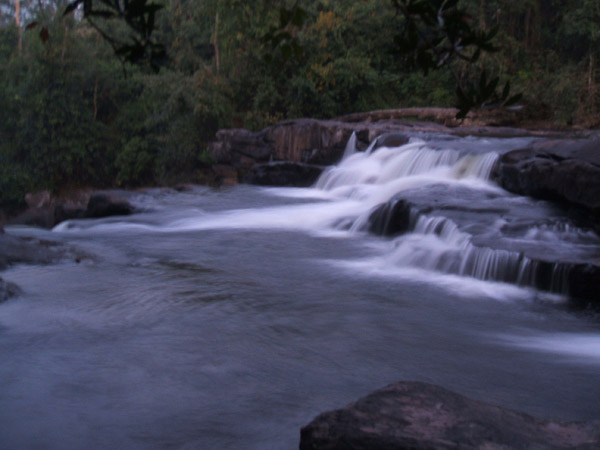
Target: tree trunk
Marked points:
216	43
18	21
96	99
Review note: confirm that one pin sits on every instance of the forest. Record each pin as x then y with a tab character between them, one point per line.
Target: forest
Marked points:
74	113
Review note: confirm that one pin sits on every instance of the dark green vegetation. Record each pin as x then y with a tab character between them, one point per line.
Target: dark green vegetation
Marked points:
71	114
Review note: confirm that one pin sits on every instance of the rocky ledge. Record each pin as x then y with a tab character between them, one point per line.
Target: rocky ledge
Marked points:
413	415
564	170
509	256
560	166
45	210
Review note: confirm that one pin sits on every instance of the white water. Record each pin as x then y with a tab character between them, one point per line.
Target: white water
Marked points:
225	319
345	195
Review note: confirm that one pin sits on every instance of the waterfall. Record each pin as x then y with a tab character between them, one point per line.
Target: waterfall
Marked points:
384	165
350	146
382	176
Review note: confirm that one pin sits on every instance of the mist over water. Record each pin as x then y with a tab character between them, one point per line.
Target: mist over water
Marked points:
230	318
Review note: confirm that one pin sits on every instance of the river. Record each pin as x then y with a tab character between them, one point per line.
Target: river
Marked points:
228	319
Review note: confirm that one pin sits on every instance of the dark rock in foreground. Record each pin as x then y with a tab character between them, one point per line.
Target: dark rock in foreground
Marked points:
412	415
283	174
557	170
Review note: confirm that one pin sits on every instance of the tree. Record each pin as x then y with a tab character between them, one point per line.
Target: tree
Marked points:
436	33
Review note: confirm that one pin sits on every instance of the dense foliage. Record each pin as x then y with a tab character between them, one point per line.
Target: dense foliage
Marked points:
72	114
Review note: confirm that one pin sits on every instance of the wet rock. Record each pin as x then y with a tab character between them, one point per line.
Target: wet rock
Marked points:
413	415
104	204
283	174
15	250
391	140
391	218
557	170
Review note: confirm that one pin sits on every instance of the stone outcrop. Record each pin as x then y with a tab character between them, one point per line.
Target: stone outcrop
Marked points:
45	210
322	142
283	174
413	415
558	170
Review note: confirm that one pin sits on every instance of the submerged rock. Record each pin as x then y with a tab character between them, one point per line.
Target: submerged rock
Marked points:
7	290
16	250
413	415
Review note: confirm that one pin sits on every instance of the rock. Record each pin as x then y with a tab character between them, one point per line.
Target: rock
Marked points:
67	211
15	250
391	140
38	199
557	170
283	174
309	140
42	217
225	175
104	204
7	290
413	415
391	218
233	143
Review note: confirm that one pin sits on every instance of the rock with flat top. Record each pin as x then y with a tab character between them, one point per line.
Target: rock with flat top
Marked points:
564	170
420	416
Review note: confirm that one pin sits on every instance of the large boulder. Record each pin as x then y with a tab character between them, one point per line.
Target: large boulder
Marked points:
413	415
558	170
283	174
105	204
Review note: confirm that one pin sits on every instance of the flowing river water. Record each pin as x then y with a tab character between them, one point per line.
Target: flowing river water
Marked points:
228	319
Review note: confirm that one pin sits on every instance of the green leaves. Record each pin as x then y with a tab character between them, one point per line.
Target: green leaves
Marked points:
281	40
138	15
483	95
435	32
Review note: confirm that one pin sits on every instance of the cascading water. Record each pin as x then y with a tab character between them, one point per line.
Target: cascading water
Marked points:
457	221
186	324
441	231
